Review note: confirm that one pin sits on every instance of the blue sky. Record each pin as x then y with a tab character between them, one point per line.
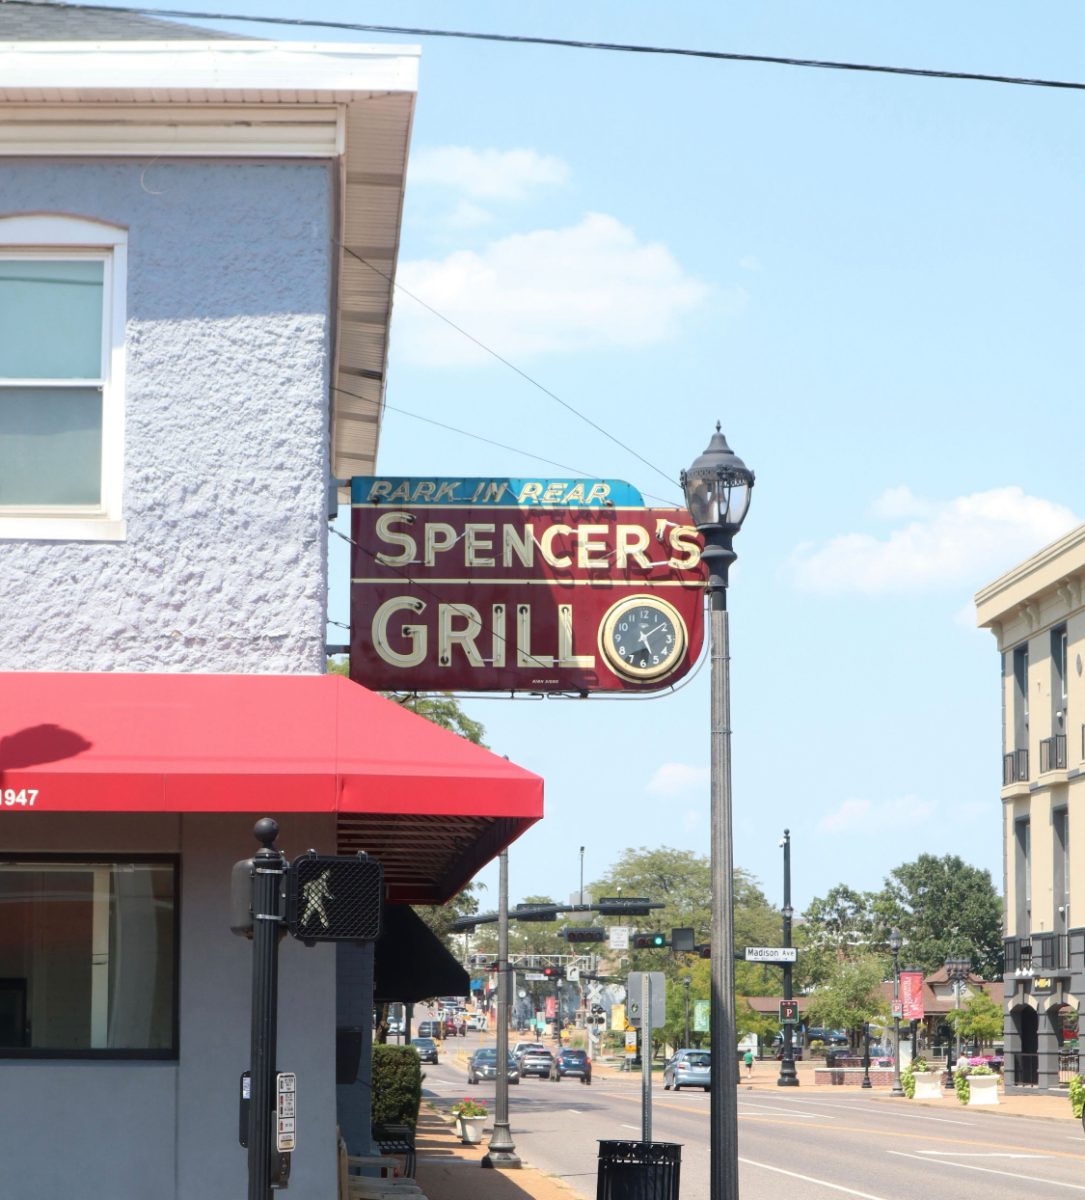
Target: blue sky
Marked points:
875	283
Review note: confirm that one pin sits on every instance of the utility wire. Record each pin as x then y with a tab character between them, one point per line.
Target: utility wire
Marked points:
490	442
567	43
501	359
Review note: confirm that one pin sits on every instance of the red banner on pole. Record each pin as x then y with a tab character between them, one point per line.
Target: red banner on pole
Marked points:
911	995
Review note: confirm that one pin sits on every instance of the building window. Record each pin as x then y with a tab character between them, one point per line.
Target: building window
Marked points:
1060	828
62	312
88	958
1023	877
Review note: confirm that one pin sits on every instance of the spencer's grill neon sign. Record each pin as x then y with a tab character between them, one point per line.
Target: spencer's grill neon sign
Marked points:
504	592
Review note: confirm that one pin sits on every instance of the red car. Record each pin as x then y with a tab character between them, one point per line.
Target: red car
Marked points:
451	1028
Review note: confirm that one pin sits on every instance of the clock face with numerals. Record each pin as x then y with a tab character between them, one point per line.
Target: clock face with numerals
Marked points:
643	638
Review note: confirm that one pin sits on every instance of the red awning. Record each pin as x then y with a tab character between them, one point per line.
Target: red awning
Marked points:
432	806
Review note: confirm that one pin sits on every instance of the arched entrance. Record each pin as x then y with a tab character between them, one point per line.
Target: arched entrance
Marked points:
1026	1060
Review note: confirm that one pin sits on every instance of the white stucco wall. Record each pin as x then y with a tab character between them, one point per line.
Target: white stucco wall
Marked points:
224	564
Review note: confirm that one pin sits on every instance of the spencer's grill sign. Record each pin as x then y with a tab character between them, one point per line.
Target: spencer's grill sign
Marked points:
535	585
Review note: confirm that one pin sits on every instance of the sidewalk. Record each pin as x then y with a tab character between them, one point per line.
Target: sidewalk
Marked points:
1037	1104
449	1170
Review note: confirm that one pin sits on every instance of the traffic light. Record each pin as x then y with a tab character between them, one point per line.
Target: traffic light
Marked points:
554	972
649	941
585	933
705	949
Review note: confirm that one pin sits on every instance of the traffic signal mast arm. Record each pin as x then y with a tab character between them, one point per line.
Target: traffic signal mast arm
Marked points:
617	906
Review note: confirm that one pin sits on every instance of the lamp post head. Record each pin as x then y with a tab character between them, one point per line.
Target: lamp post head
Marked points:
787	912
717	487
717	491
895	941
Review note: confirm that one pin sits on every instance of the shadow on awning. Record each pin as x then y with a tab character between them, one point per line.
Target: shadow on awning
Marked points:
411	963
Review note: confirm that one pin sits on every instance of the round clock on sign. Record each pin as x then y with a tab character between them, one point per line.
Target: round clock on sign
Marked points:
643	638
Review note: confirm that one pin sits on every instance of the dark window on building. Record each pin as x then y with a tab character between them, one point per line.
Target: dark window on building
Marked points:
1020	698
1060	830
1023	877
1058	679
88	958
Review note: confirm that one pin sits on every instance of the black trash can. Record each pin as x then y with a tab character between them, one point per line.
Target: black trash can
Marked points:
638	1170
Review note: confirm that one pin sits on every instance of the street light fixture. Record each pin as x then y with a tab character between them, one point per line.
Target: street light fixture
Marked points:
956	972
788	1075
895	943
717	491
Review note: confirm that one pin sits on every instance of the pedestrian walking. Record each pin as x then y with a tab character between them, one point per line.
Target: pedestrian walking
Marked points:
748	1060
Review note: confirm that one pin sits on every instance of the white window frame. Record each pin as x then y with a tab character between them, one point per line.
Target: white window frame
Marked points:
59	236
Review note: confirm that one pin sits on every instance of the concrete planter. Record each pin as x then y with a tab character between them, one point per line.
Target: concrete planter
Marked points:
928	1085
982	1089
471	1129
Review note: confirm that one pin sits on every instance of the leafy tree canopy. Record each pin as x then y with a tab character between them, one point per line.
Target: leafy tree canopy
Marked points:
850	996
944	908
980	1020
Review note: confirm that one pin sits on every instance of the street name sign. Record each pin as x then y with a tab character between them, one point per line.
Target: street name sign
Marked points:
772	954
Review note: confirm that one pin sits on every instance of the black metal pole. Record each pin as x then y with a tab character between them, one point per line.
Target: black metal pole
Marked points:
788	1075
898	1089
685	984
502	1149
866	1055
268	870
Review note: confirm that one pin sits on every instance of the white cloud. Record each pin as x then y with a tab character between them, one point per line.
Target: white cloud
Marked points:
966	541
678	779
863	816
486	174
587	287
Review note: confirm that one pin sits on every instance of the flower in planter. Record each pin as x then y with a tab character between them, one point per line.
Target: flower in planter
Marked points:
468	1108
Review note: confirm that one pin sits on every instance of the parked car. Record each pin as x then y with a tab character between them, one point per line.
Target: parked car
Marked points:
427	1049
478	1021
483	1065
536	1061
796	1047
688	1068
830	1037
571	1062
431	1029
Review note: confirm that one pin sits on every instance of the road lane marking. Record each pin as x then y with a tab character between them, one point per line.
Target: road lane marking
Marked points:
983	1154
1074	1187
775	1112
629	1127
836	1187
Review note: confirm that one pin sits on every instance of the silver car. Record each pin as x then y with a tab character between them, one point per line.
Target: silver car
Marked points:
688	1068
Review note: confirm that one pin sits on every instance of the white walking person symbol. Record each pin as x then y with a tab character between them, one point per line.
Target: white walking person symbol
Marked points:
315	892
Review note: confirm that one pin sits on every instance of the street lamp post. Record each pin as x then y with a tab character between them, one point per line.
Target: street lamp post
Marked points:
956	972
502	1149
717	490
866	1055
788	1075
686	981
895	942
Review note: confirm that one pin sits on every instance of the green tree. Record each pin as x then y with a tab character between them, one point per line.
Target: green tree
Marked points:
849	997
839	926
979	1020
944	908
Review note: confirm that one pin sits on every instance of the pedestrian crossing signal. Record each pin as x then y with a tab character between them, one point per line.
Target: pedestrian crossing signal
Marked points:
334	899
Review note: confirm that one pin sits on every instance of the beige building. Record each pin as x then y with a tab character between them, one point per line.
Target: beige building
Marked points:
1037	613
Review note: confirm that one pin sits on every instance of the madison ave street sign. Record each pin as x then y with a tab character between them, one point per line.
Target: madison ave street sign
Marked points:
510	585
772	954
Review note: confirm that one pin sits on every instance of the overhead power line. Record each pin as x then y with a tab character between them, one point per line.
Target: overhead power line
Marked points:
567	43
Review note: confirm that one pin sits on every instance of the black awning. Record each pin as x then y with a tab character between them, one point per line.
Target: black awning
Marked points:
411	963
